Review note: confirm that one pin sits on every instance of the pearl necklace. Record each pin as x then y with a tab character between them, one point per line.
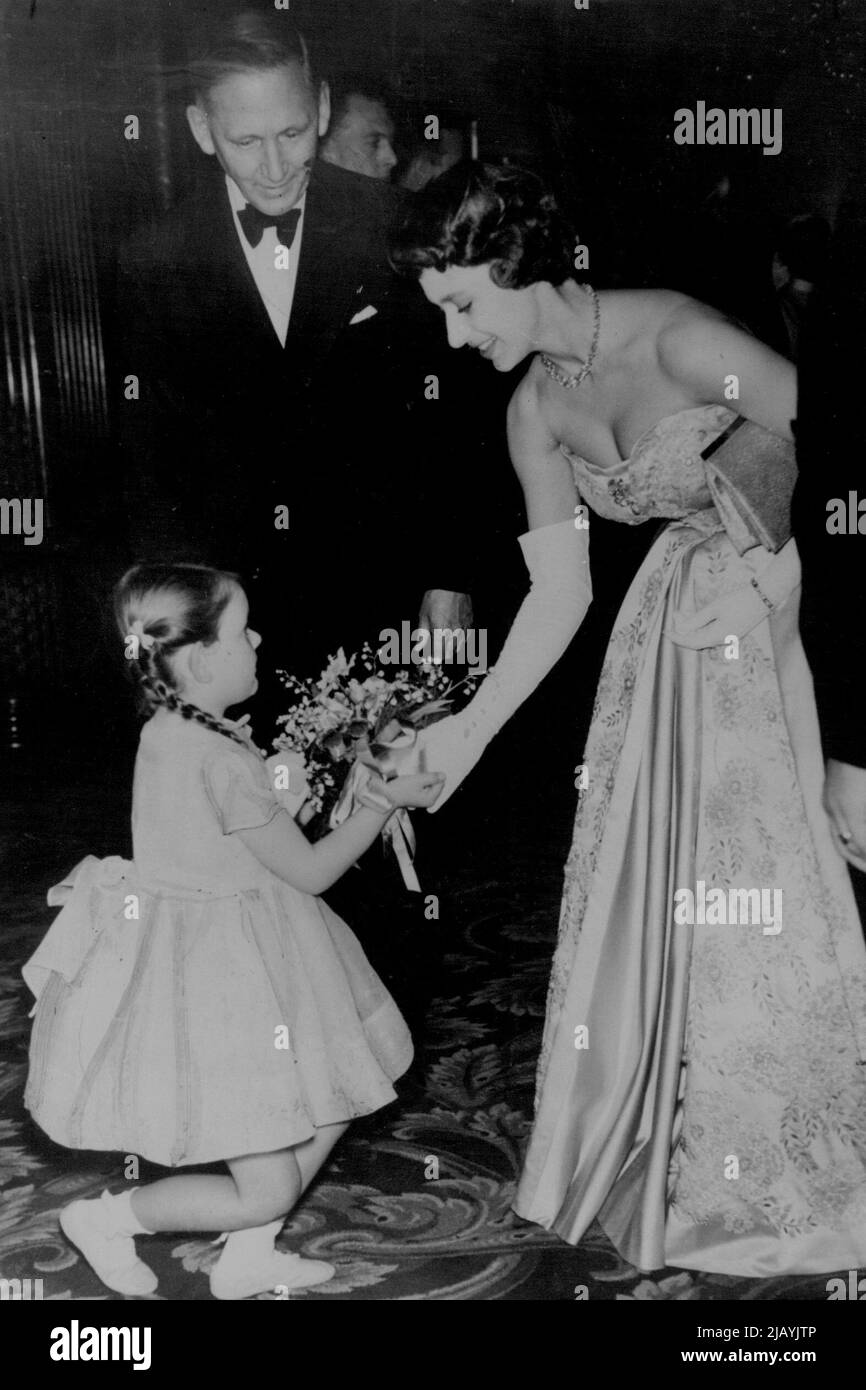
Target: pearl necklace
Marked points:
571	383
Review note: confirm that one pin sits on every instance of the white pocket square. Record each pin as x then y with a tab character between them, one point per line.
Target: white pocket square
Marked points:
364	314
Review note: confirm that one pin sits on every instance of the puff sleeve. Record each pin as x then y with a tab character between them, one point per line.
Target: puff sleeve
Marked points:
240	791
291	793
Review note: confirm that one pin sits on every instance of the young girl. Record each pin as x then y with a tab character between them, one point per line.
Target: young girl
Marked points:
202	1003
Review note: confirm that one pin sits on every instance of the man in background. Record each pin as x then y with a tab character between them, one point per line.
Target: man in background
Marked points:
284	427
360	135
830	457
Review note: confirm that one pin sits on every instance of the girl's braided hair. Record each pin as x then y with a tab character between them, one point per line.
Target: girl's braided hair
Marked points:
175	605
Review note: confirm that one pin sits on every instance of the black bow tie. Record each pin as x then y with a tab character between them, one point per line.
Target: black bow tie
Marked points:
254	223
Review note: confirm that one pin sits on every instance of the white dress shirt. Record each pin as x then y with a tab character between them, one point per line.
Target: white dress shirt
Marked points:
275	285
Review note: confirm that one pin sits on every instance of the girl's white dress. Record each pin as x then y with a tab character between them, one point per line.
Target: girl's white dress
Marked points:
191	1006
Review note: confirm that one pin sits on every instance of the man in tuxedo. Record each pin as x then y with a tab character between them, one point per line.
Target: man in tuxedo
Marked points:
298	416
830	457
361	129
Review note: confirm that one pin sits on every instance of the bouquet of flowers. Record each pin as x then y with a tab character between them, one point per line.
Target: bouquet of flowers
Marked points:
352	722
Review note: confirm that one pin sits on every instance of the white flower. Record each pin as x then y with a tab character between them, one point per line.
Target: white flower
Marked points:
145	639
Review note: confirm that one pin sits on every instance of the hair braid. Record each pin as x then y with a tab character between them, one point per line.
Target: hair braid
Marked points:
165	608
158	692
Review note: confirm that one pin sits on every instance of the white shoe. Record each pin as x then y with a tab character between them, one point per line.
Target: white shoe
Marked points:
273	1272
110	1253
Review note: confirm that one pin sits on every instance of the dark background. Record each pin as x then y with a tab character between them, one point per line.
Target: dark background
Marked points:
586	97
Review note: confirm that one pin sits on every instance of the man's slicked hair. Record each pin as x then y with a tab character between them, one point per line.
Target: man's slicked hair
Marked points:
247	42
345	85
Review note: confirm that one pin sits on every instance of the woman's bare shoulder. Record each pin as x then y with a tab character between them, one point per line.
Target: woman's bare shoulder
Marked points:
683	327
681	311
656	309
525	408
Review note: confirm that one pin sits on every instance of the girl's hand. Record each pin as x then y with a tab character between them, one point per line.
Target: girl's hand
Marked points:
413	789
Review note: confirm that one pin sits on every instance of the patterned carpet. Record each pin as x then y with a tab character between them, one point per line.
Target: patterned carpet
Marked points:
415	1204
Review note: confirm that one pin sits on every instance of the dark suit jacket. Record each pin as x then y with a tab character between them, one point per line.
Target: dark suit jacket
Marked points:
831	460
335	426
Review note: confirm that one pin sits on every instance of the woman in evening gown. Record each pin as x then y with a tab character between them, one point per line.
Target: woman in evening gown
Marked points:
701	1089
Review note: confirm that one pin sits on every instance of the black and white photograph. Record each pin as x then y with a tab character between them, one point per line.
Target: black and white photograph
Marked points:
432	661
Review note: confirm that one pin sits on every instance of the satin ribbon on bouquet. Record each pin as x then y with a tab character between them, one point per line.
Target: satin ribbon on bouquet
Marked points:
385	756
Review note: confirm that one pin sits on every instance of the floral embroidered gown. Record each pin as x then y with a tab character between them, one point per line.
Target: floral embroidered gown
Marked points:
713	1114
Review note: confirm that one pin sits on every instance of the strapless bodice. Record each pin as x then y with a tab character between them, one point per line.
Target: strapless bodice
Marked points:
663	476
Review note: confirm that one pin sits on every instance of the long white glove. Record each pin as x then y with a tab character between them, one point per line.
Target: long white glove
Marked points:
560	592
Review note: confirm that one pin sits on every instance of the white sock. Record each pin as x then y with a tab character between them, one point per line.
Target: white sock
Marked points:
123	1215
249	1247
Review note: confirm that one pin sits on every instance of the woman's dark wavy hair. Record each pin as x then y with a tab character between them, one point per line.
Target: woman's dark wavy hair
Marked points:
480	214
